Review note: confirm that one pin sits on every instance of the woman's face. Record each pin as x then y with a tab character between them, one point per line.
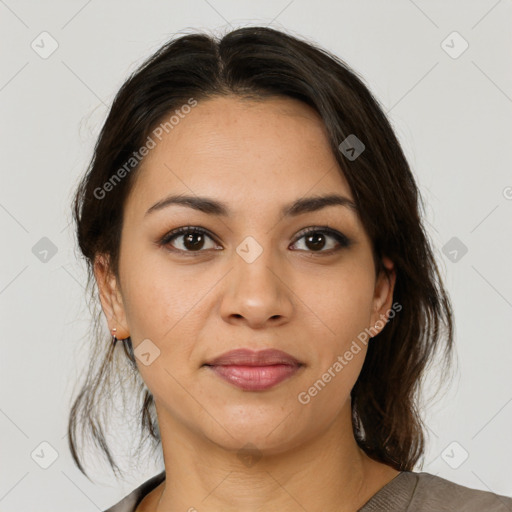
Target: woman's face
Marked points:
254	279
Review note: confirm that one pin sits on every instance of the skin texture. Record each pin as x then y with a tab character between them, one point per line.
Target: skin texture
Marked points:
255	156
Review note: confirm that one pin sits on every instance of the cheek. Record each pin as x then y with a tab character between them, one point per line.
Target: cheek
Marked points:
158	296
342	302
343	307
162	306
340	344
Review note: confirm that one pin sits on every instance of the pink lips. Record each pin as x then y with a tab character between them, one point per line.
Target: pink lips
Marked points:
254	371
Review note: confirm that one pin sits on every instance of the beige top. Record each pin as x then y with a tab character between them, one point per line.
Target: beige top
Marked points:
407	492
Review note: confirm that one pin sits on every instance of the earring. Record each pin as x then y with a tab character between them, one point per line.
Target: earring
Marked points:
114	339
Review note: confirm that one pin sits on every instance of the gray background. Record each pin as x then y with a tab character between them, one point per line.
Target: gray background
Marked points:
452	115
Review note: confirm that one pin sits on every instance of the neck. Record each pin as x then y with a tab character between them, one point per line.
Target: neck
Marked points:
329	473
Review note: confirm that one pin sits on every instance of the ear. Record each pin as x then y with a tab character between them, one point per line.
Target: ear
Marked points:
383	297
110	297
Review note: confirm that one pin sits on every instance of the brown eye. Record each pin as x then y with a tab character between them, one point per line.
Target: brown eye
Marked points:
192	240
188	239
316	239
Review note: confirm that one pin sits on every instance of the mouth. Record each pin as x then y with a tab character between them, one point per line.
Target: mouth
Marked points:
254	371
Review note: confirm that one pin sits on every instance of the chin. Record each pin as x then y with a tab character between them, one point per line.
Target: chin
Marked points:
268	434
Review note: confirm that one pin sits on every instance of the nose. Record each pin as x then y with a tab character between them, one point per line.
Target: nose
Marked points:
257	292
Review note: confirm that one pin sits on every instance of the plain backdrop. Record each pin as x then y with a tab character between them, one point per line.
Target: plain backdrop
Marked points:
450	106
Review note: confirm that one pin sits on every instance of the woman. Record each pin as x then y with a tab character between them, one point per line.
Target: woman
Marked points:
254	231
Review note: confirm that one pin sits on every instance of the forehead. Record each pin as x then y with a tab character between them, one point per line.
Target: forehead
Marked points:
270	151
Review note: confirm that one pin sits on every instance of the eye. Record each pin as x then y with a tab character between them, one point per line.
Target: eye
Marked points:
193	239
316	239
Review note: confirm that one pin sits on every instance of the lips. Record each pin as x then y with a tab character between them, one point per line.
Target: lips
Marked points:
254	371
245	357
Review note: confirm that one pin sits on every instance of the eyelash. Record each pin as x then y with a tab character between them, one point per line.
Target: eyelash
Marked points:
343	241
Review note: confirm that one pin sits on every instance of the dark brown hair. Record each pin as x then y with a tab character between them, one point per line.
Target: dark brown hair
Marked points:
258	63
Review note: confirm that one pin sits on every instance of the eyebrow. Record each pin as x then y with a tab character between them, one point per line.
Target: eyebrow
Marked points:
214	207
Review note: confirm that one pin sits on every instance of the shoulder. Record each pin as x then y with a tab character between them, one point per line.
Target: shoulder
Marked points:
423	492
432	492
129	503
